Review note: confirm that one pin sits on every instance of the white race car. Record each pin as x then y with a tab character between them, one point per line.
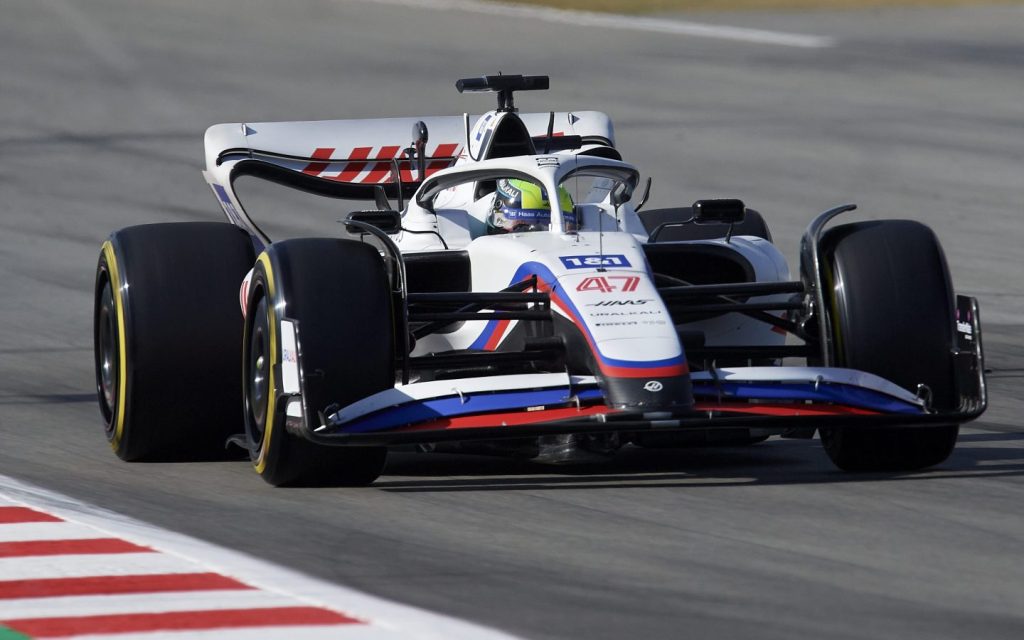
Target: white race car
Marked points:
515	301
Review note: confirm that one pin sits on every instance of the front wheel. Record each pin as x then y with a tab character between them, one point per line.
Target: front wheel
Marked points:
333	295
892	315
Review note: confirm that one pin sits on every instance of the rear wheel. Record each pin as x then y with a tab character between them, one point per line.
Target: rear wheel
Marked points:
892	315
336	293
167	331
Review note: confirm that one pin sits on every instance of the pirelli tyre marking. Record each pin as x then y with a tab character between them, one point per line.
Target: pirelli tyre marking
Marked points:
268	419
122	365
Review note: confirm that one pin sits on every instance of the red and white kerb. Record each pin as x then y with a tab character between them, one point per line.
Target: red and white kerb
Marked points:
61	579
69	569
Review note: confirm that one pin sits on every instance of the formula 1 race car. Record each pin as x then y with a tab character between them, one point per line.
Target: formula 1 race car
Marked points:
516	302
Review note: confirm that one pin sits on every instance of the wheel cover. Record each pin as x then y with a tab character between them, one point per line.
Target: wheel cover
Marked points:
257	375
107	356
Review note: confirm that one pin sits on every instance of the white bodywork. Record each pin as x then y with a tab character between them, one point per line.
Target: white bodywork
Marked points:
360	151
595	269
637	328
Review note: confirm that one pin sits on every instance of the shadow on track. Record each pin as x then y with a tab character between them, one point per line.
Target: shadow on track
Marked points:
777	462
47	398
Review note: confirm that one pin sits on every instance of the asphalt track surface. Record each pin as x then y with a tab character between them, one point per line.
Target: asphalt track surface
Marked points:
913	113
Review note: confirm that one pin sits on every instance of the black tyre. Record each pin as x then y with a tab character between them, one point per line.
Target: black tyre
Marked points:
337	294
892	315
167	333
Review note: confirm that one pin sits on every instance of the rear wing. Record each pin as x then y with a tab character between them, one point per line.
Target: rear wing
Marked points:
353	159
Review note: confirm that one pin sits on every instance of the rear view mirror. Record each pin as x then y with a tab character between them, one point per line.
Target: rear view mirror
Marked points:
387	220
724	211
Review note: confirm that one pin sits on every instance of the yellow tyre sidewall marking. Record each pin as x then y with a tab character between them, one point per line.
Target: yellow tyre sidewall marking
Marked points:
114	274
261	460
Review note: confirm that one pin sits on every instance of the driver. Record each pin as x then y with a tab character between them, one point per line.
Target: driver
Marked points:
521	205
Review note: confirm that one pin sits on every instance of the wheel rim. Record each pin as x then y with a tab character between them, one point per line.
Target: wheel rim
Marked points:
258	371
107	354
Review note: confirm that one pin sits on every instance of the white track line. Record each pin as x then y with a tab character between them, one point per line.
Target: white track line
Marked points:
177	553
616	21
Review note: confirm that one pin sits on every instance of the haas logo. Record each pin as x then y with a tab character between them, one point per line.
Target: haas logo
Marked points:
608	284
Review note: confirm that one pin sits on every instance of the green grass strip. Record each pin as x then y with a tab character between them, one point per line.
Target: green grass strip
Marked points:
7	633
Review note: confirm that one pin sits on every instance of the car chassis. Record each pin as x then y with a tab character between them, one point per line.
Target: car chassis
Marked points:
554	377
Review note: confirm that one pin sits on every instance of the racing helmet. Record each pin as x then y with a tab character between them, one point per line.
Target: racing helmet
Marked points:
521	205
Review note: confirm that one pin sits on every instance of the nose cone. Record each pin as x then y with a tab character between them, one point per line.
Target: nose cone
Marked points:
673	393
634	380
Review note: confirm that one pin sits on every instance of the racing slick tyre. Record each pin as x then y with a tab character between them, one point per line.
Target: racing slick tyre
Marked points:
892	315
167	333
336	294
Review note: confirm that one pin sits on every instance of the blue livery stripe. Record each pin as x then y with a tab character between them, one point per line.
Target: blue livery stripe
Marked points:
481	341
419	411
826	392
452	406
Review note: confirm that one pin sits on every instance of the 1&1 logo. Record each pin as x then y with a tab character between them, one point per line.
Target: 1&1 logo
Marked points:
593	262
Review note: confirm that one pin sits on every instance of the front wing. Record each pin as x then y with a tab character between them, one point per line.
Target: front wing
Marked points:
528	405
520	406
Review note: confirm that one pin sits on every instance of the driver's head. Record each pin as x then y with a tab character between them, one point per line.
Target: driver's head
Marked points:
521	205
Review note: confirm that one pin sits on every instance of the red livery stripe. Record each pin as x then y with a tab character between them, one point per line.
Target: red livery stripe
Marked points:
110	585
381	169
405	170
355	163
495	339
512	419
443	151
783	409
432	165
316	168
177	621
353	169
644	372
19	515
507	419
68	547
